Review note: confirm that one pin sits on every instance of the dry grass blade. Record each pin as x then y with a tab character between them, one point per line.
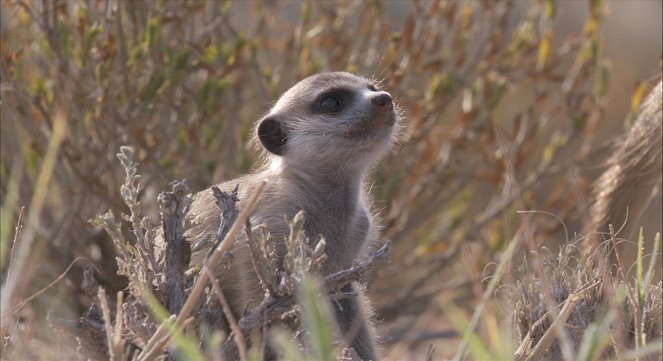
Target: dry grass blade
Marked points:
522	353
151	350
30	245
114	343
119	321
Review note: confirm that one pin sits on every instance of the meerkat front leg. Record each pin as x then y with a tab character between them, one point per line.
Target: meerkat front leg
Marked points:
354	324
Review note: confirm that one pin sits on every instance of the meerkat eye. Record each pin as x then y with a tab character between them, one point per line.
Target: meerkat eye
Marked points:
372	88
330	103
333	100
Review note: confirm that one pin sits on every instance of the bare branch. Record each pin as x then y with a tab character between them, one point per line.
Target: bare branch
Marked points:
357	272
174	206
226	202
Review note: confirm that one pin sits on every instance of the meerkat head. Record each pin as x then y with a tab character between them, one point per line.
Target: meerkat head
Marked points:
333	119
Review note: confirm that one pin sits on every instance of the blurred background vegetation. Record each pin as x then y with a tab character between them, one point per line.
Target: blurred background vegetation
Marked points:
509	105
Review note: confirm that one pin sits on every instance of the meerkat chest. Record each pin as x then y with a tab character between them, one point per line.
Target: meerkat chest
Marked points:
341	218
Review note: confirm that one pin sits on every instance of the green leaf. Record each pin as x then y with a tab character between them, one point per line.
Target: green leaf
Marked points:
640	270
153	32
150	90
317	318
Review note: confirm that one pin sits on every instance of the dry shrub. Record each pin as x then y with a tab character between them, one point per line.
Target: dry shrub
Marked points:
601	313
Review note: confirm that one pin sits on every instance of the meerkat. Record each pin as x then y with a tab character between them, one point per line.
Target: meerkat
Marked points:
321	138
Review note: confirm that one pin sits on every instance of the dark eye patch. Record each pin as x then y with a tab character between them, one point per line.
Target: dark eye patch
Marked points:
372	87
332	101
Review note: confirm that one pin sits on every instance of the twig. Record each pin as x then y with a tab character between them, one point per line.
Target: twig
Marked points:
5	325
271	309
17	237
238	336
354	273
41	291
158	341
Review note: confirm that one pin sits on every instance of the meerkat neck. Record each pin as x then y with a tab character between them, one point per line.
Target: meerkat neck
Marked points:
330	183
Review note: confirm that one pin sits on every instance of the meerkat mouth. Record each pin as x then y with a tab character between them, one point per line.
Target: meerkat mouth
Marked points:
376	125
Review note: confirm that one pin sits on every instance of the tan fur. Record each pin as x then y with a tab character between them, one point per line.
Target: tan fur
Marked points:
633	178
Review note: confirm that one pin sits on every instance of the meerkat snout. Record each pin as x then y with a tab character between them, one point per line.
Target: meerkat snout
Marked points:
382	102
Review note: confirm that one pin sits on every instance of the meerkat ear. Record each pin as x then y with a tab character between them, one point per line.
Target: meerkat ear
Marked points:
272	135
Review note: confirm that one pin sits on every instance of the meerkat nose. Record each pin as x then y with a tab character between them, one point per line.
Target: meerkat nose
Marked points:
382	102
